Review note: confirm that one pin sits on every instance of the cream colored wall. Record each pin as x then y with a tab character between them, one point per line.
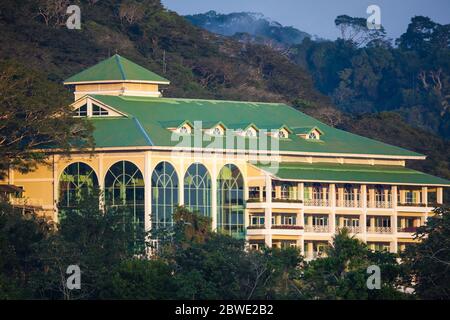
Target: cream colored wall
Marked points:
114	88
41	191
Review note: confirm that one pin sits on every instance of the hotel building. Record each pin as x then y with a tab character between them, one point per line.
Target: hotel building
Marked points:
261	171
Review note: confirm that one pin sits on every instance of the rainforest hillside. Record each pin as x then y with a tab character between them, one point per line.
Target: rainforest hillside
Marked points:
199	64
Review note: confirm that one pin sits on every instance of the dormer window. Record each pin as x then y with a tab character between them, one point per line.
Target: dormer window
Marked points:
82	111
308	133
250	132
313	135
217	131
282	134
98	111
185	129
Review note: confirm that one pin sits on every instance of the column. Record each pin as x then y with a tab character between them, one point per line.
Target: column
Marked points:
439	195
101	183
301	245
300	218
340	197
301	192
148	191
55	189
394	197
268	213
333	196
332	203
214	196
363	217
394	223
386	198
372	223
371	203
181	173
277	192
310	249
425	196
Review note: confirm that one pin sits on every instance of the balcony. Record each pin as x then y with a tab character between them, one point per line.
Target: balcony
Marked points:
317	202
407	229
287	200
351	203
411	204
380	204
255	226
317	229
287	227
351	229
383	230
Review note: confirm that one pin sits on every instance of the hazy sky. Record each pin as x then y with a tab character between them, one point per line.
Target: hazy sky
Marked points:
317	16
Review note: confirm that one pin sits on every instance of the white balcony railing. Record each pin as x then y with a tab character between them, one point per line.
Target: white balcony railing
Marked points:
317	228
350	229
317	202
379	229
351	203
380	204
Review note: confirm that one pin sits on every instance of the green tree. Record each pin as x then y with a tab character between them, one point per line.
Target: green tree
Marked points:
97	240
428	261
19	234
210	265
342	274
139	279
34	116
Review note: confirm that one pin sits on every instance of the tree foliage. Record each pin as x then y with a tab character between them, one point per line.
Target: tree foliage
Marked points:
35	116
428	262
342	274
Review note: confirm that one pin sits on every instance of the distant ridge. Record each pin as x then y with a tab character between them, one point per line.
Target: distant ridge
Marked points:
249	26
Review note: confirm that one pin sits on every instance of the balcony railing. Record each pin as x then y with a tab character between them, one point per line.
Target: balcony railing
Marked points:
411	204
317	228
351	203
350	229
317	202
256	226
287	227
407	229
379	229
287	200
380	204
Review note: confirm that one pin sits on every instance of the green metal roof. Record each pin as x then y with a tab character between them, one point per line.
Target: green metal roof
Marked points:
153	113
116	68
333	172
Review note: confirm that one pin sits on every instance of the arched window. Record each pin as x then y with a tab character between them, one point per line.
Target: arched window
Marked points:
76	180
164	195
230	201
124	189
197	189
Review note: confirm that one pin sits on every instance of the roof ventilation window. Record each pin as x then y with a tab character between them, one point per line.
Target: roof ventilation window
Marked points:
81	111
283	134
98	111
185	129
309	133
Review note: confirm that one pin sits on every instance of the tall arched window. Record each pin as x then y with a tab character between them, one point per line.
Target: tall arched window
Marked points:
197	189
124	189
76	180
230	201
164	195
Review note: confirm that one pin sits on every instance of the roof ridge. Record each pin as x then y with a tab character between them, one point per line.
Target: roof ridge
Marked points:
130	98
119	64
